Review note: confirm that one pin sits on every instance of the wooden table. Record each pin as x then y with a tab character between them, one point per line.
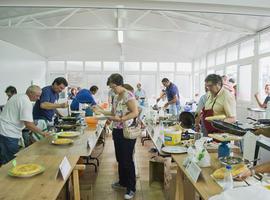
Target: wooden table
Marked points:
42	186
45	185
78	148
206	187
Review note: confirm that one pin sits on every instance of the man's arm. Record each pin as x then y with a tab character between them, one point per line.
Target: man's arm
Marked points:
52	106
32	127
174	100
263	168
161	96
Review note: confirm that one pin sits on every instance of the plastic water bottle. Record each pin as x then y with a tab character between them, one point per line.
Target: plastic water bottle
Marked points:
228	179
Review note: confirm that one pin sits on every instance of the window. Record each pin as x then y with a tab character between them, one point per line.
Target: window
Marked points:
149	66
264	43
211	60
184	67
131	66
203	63
264	74
149	84
111	66
98	80
220	57
232	53
184	85
231	72
202	84
211	71
196	65
245	82
75	79
92	66
247	48
56	65
166	67
74	66
219	72
197	83
133	80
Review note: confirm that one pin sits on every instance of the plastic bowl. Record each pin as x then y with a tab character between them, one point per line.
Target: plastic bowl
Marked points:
91	122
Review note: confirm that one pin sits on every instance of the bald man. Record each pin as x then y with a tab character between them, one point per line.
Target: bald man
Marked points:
16	115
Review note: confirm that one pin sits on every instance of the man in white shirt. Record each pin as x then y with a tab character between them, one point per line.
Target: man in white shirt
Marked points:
17	115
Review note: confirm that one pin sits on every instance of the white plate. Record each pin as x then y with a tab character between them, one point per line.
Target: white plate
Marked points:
174	149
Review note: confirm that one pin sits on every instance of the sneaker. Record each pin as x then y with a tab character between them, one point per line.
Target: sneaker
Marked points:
118	186
129	195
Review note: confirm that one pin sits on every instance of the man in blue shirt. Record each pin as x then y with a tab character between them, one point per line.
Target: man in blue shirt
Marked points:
173	97
45	108
84	96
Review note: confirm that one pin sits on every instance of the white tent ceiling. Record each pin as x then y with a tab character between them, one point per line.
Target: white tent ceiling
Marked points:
88	33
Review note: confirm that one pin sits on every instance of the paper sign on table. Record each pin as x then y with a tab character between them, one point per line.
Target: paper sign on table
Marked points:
89	143
193	170
64	169
249	145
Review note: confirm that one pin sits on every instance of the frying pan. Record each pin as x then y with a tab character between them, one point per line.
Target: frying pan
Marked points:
229	128
261	121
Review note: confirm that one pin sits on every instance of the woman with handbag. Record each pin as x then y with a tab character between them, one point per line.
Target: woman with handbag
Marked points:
124	109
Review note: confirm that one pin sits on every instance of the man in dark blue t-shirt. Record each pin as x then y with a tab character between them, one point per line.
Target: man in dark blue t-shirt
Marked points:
173	97
84	96
45	107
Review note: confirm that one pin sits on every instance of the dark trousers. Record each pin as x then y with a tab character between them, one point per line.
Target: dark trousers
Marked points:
124	149
8	148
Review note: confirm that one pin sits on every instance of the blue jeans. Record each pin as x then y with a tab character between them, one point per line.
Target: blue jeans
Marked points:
8	148
174	109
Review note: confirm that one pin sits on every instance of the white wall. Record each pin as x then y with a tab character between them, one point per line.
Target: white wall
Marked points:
19	67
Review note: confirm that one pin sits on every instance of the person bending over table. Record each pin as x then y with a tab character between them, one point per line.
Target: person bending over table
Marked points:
172	95
17	115
85	96
46	107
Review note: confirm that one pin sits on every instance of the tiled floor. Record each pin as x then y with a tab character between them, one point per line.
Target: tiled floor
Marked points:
98	186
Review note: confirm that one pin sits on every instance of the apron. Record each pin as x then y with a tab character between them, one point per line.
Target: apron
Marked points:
208	113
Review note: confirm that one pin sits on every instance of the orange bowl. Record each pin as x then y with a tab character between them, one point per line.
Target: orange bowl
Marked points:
91	121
